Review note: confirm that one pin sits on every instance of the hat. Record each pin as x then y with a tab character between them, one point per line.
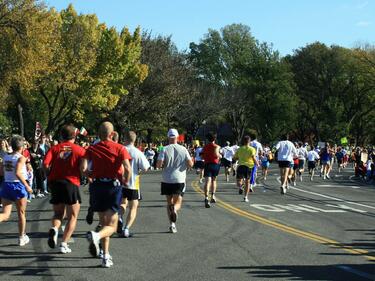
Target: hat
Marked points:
172	133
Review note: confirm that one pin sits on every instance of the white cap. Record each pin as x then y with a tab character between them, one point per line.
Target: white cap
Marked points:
172	133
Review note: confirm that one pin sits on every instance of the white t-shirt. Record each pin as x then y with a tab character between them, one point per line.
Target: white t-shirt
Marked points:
197	154
235	148
258	147
286	151
175	158
302	153
227	153
312	155
138	163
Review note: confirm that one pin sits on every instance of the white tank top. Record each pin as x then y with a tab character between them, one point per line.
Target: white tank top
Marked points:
10	163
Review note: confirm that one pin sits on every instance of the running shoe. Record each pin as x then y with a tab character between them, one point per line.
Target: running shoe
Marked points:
52	237
172	213
120	225
328	177
126	233
101	254
206	203
98	227
173	229
64	248
213	199
201	181
282	190
107	261
251	189
94	247
23	240
245	199
240	190
294	183
89	216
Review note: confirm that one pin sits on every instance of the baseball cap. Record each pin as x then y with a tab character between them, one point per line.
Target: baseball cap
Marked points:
172	133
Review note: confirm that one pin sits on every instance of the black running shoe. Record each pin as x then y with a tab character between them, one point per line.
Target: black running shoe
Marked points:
240	190
52	238
213	200
90	216
120	225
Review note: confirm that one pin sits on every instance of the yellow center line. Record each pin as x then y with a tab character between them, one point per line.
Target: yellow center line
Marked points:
311	236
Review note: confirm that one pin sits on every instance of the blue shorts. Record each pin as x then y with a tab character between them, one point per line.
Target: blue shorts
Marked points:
13	191
105	195
265	164
211	170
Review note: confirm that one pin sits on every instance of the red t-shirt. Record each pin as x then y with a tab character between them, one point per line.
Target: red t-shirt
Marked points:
107	157
64	159
209	153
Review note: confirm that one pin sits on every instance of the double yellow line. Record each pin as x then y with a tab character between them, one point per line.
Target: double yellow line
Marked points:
288	229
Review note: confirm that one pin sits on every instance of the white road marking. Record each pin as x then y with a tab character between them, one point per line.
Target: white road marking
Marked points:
333	198
267	208
356	272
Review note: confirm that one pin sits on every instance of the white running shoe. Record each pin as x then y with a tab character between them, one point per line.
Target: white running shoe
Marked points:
126	233
294	183
94	239
107	261
173	229
23	240
328	177
245	199
52	237
201	181
64	248
101	254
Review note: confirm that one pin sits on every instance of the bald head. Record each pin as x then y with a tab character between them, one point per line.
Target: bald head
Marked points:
105	130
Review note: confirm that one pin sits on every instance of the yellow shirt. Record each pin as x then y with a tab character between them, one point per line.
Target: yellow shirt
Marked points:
245	156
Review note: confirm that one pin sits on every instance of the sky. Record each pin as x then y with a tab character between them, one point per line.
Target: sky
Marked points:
287	24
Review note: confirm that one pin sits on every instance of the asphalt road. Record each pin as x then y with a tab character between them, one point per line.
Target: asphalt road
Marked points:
320	230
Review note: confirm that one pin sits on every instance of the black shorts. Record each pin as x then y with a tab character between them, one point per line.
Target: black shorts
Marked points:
311	165
131	194
211	170
172	189
244	172
64	192
226	163
284	164
295	167
199	165
105	195
301	163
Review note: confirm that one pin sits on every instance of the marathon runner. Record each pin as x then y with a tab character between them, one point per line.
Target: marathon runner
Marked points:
211	155
175	160
259	149
131	194
246	156
198	162
312	158
302	155
15	187
110	170
227	153
285	153
62	164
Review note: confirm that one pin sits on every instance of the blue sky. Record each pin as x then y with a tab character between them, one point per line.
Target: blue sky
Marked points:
287	24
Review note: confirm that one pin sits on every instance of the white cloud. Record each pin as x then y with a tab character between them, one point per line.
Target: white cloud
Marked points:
363	23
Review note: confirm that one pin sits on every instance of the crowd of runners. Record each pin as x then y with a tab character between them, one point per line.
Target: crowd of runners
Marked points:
112	170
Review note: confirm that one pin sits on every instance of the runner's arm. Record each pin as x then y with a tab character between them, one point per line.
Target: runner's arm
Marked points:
127	171
20	163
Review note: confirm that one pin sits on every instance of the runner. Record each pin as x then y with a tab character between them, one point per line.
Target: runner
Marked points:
302	155
285	153
325	156
312	158
211	155
131	193
62	164
246	156
227	153
110	167
175	160
340	158
15	187
259	149
198	162
265	163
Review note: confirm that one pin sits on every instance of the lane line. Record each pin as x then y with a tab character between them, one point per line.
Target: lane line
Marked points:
329	197
311	236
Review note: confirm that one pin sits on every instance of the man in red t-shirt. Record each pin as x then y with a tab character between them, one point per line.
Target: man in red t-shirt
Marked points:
211	156
110	169
62	164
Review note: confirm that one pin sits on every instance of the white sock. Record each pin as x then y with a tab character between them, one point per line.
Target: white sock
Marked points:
107	256
173	224
64	244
